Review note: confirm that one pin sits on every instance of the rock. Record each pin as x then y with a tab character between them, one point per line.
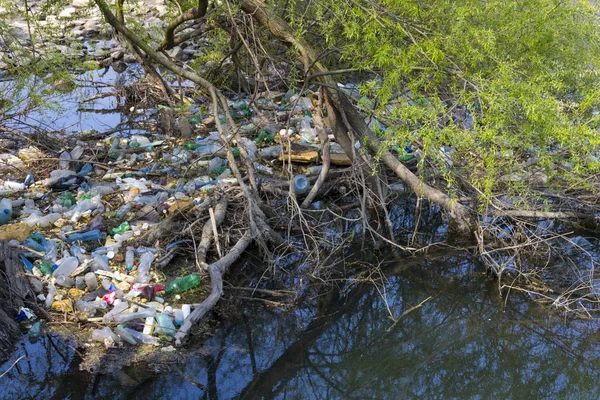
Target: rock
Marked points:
117	54
119	66
18	231
67	13
100	54
176	53
80	3
129	58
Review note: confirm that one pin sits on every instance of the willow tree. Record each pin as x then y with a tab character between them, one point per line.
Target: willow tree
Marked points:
499	97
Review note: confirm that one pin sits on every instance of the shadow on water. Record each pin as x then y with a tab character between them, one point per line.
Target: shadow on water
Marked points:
463	342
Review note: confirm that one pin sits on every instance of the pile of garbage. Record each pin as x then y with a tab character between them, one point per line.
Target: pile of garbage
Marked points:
77	226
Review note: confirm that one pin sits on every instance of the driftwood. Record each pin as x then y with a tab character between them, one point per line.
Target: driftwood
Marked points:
15	292
216	271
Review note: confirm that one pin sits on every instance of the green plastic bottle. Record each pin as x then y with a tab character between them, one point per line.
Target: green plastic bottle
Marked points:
183	284
68	199
191	146
46	268
124	227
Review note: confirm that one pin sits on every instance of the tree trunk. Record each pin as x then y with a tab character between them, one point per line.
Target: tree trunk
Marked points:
15	292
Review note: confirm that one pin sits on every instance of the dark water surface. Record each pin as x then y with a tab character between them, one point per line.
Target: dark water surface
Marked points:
464	342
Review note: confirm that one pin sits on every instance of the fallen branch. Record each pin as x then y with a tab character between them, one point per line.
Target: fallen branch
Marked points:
208	231
216	271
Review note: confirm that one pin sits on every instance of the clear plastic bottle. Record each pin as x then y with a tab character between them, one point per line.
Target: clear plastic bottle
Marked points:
125	335
64	281
85	307
142	337
301	184
106	336
143	274
66	267
90	281
129	259
50	295
187	310
124	317
117	309
65	158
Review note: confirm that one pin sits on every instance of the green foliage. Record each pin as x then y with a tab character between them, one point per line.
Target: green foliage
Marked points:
525	71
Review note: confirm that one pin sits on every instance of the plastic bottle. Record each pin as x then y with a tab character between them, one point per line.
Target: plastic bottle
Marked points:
124	227
64	281
68	200
35	332
5	211
108	285
141	337
85	170
182	284
178	317
164	324
90	281
45	267
187	310
76	152
80	283
85	236
148	312
65	158
301	184
124	335
67	266
121	212
129	259
106	336
143	274
29	179
101	263
148	325
117	309
85	307
50	295
307	133
113	152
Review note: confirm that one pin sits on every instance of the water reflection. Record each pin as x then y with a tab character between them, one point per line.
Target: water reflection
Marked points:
464	342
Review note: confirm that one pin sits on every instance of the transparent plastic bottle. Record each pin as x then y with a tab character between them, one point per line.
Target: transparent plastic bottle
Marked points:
117	309
105	335
125	335
66	267
91	282
124	317
301	184
64	281
141	337
143	275
129	259
50	295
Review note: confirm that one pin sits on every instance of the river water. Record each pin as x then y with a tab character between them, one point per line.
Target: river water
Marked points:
464	342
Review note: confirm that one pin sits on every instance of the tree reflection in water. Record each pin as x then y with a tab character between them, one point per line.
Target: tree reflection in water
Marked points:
464	342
